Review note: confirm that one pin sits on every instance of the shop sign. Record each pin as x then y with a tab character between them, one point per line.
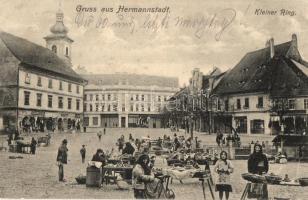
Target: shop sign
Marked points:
37	113
64	114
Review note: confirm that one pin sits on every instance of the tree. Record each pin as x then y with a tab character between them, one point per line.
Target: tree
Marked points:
280	106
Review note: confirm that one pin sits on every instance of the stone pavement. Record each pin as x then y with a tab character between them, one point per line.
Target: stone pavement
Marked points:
35	176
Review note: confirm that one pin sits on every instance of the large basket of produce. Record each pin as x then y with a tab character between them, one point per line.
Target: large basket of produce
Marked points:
254	178
81	179
303	181
273	179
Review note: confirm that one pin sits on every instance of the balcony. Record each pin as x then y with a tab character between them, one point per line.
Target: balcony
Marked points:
245	107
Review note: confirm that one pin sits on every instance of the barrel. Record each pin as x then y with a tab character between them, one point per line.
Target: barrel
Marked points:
94	177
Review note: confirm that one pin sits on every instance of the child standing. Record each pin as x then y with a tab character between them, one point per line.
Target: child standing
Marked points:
224	168
83	153
99	135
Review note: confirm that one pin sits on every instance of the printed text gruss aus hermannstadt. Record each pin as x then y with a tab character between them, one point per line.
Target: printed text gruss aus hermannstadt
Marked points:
151	20
124	9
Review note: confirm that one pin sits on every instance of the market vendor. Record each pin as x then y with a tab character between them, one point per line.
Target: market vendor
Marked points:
141	176
128	149
99	157
258	164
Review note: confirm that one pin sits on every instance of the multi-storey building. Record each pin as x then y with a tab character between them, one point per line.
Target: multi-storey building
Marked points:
267	91
191	107
38	87
126	100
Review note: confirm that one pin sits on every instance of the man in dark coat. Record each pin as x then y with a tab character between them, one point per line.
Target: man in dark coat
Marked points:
129	149
33	145
62	159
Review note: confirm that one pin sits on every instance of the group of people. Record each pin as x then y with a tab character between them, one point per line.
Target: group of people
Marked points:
15	136
230	139
257	164
180	142
142	174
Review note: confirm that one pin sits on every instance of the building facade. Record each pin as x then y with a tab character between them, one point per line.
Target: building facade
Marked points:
39	90
192	108
267	91
126	100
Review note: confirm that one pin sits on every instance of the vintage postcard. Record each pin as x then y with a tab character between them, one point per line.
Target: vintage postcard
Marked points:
160	99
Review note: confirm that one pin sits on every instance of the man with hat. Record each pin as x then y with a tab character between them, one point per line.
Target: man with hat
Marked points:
62	159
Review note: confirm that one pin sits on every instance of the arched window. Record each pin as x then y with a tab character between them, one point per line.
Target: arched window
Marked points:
66	51
54	48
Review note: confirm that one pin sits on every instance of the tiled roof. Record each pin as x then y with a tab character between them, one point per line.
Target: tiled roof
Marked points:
131	79
182	91
37	56
257	72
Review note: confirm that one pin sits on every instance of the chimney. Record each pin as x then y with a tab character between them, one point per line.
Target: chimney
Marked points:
271	46
294	40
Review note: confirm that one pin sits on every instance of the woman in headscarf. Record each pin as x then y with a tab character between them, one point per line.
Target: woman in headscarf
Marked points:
258	164
99	157
224	168
141	175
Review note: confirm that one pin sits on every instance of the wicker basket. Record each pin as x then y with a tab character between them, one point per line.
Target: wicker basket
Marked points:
254	178
273	179
81	179
303	181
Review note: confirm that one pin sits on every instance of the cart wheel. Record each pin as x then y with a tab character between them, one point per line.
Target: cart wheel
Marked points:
170	194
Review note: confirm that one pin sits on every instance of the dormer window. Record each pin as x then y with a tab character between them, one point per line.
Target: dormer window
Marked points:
54	48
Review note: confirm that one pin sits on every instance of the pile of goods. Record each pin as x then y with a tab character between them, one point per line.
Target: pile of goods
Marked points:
268	178
16	157
303	181
81	179
273	179
254	178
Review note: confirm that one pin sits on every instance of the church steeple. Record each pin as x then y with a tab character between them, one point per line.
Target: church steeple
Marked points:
59	27
58	41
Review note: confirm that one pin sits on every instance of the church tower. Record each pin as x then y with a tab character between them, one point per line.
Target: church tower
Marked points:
58	41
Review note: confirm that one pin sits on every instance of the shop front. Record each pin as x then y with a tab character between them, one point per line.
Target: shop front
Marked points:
8	120
290	123
241	124
40	121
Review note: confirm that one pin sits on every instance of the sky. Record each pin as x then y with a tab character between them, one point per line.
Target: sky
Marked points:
192	34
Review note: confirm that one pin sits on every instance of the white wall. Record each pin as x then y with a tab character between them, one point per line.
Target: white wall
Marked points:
33	88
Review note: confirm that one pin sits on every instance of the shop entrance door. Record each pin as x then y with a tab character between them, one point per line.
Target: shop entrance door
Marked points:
123	122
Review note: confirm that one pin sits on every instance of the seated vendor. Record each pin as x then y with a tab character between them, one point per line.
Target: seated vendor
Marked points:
99	157
128	149
142	175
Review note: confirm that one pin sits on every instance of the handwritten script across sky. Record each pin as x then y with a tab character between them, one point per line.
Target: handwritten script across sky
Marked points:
153	20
